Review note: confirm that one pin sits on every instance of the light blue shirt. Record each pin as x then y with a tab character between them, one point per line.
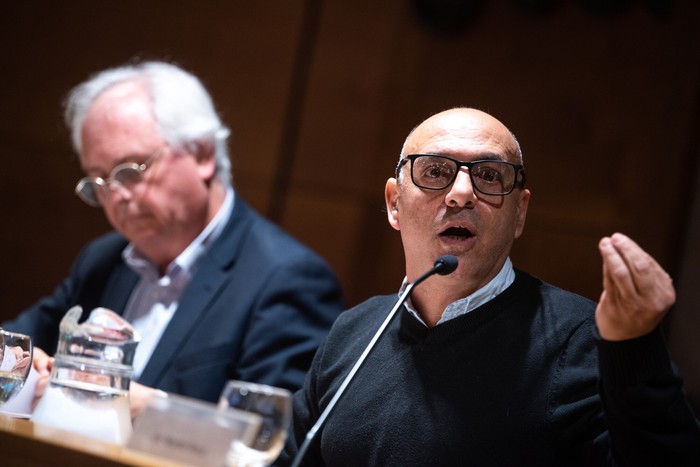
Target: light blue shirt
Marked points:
155	298
498	284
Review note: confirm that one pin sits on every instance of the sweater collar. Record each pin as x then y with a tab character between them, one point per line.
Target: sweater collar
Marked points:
494	287
466	323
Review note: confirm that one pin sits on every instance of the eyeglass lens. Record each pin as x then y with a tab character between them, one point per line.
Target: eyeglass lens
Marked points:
438	172
124	176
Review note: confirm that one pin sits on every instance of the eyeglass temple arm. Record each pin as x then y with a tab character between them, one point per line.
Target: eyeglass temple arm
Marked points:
521	172
401	163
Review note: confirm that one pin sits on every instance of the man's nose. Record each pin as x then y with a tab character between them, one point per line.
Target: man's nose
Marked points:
461	193
118	191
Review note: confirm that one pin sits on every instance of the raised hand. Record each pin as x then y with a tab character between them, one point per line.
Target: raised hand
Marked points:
637	292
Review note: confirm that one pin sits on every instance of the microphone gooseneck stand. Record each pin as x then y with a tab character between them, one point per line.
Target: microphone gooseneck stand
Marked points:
443	265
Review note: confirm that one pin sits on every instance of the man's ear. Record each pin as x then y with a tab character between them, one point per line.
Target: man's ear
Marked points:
203	152
391	199
521	212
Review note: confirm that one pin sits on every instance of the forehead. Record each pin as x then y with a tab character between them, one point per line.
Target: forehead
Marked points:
122	105
119	123
465	134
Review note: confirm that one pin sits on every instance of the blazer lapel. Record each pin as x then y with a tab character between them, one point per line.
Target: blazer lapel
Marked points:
119	288
211	276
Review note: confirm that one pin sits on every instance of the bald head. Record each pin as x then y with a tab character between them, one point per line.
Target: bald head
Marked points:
454	125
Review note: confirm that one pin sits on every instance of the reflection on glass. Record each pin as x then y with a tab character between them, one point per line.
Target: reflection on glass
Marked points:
274	406
15	363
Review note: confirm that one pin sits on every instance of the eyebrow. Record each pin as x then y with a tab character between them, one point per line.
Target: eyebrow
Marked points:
135	158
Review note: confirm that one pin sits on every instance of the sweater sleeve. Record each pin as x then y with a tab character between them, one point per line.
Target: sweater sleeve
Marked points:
648	419
620	403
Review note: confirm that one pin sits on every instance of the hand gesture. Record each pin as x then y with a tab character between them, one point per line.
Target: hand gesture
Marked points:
637	292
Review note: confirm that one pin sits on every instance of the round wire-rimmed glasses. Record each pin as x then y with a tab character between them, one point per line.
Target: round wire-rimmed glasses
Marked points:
490	177
122	177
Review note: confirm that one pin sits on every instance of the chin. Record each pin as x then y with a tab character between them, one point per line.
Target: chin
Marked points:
145	238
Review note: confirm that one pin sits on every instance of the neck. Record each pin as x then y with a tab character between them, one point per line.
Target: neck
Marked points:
434	295
431	298
217	195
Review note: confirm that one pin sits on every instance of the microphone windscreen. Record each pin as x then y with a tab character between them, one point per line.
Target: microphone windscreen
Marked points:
446	264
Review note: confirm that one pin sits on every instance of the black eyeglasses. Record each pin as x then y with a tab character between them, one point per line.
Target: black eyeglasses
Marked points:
125	176
490	177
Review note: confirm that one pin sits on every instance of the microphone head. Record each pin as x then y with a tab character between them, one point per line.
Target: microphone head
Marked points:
446	264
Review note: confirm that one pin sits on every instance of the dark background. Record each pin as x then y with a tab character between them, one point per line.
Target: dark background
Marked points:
604	96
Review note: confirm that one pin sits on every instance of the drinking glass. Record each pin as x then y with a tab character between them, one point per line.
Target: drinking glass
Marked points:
15	362
274	406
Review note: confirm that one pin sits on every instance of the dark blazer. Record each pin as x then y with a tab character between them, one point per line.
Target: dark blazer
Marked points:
257	308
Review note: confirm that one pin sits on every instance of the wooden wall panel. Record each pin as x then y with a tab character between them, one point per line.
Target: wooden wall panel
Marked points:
344	150
324	92
590	98
243	51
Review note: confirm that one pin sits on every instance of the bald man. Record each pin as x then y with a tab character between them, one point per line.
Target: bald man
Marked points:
489	366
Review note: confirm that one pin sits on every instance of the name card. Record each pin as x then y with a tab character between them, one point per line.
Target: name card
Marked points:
191	431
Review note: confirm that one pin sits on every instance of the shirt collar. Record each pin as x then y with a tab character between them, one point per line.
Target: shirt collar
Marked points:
495	286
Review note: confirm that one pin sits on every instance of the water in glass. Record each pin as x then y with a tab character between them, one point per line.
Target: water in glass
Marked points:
274	406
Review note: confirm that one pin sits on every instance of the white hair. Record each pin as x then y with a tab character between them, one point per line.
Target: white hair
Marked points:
183	109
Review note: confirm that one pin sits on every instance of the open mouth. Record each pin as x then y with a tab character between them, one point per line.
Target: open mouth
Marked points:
457	233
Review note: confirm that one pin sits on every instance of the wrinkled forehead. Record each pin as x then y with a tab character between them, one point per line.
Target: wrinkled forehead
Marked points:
463	133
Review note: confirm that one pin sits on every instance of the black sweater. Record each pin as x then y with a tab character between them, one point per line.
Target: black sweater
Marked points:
522	380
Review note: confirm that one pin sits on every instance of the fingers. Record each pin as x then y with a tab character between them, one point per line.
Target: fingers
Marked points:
138	395
641	277
41	385
22	364
42	362
615	270
637	292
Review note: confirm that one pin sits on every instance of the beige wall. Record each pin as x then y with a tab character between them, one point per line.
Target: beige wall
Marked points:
320	96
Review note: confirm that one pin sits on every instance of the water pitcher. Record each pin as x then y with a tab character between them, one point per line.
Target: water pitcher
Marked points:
88	390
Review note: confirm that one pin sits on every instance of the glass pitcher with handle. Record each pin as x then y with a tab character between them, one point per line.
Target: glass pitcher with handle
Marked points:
88	391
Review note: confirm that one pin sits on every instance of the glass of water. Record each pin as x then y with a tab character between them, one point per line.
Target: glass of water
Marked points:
15	362
274	406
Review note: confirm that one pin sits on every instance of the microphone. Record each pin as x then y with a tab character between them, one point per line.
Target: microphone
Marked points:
443	266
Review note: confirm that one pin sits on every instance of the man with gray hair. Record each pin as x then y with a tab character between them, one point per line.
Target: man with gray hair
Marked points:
216	291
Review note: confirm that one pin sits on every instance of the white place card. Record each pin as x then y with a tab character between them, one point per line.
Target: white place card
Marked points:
191	431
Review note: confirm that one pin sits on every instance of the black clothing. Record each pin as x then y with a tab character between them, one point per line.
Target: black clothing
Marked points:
522	380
